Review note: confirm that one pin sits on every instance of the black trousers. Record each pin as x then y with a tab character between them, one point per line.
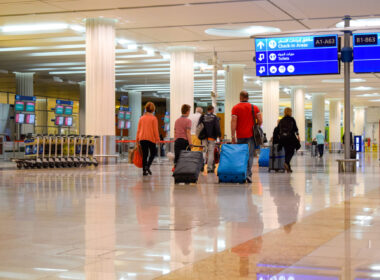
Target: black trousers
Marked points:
289	153
148	149
179	145
320	149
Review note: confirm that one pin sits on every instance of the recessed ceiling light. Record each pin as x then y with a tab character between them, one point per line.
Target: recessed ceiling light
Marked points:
337	81
241	32
368	95
362	88
365	22
34	27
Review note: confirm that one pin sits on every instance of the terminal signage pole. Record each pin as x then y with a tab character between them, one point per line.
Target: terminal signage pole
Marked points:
347	107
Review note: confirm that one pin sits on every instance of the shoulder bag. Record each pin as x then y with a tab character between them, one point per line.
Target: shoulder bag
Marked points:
258	134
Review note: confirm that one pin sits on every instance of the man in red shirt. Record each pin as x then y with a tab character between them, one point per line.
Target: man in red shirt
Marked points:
242	122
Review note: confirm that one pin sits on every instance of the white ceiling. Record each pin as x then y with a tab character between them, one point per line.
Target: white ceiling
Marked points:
158	24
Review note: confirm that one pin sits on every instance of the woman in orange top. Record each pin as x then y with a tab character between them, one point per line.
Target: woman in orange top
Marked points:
148	136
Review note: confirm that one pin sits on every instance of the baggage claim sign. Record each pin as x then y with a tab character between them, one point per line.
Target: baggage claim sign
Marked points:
301	55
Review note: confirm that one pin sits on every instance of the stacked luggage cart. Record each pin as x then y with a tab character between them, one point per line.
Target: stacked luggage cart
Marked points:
49	151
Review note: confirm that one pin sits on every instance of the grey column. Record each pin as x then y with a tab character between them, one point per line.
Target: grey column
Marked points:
134	98
82	108
24	84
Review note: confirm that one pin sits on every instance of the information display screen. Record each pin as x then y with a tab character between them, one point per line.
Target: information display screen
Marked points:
68	121
68	110
120	124
59	120
367	53
19	106
167	119
166	127
127	125
302	55
121	115
30	119
127	115
30	107
287	276
20	118
58	109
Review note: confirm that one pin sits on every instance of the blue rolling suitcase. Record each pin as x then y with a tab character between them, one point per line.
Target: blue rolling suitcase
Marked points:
233	163
264	157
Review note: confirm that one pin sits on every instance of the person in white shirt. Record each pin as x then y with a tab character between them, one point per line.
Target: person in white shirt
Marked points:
194	122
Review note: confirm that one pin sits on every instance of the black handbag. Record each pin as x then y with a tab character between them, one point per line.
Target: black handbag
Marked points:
258	134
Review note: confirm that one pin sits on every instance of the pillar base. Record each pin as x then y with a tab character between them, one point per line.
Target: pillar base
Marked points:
335	147
105	150
347	165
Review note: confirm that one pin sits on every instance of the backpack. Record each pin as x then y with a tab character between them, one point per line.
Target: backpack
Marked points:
286	128
201	130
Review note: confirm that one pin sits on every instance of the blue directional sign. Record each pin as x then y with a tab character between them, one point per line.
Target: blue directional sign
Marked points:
367	53
302	55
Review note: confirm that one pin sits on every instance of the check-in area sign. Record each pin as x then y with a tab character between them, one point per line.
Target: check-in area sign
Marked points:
367	53
300	55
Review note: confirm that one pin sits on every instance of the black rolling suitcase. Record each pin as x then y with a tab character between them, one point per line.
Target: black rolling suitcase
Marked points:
276	159
188	167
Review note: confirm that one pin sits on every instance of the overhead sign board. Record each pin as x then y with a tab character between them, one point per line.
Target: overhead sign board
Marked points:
367	53
301	55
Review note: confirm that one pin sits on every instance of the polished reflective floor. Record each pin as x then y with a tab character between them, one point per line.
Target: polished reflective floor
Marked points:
112	223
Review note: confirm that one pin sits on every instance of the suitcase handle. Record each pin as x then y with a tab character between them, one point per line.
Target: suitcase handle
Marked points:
188	148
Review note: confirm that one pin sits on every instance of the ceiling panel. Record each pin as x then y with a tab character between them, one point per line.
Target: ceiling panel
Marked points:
170	34
326	8
26	7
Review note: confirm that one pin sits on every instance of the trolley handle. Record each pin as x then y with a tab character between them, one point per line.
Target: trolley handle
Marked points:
188	148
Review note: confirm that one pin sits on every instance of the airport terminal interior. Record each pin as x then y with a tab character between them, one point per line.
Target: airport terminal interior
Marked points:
75	76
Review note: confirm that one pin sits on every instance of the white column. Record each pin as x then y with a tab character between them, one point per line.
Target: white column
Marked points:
100	76
181	81
134	98
359	121
24	84
318	108
298	99
82	108
234	83
271	106
334	124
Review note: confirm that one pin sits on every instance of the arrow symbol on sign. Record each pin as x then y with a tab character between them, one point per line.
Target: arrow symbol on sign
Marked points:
261	45
261	57
262	69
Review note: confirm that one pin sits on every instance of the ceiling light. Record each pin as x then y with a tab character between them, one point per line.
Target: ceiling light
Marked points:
241	32
375	100
66	72
362	88
365	22
149	51
122	41
78	28
60	64
166	56
368	95
57	53
337	81
34	27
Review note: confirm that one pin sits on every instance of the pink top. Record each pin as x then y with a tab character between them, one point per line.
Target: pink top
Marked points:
148	129
181	126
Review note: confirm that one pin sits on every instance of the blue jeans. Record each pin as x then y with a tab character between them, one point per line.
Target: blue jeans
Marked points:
251	146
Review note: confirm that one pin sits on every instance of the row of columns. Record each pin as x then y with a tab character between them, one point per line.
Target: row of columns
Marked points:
97	108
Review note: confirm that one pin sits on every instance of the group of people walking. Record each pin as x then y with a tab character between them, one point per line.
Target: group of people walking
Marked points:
244	116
